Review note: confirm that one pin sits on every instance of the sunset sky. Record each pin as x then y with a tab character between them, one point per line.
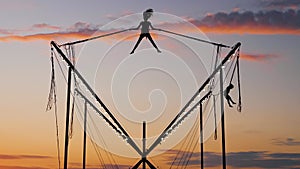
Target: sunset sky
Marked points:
264	135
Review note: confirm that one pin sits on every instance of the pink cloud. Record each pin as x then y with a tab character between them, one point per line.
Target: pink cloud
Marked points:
258	57
77	30
5	32
14	157
45	26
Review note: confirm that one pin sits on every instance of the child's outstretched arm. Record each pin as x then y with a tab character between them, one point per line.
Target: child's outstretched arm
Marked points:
137	28
153	27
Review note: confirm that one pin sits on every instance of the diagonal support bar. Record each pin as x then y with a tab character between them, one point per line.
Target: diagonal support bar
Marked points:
206	82
71	66
144	161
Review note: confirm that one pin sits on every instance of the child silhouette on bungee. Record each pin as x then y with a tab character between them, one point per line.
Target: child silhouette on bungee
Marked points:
227	96
145	30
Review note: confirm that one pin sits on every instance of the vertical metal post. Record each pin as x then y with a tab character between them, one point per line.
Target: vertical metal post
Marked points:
67	119
144	153
144	164
84	136
222	119
144	137
144	144
201	135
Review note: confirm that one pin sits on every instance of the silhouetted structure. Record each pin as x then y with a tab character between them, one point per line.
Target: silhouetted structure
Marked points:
186	110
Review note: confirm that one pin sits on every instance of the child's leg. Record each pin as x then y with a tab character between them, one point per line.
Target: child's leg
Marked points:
137	43
229	104
153	43
231	100
228	100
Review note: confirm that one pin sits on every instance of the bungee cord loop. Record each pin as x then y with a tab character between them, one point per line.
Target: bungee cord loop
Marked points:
52	102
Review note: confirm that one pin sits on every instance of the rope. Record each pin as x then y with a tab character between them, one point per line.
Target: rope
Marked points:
189	152
51	102
178	151
190	156
71	133
233	71
192	132
100	137
117	32
93	38
99	155
65	79
100	158
211	88
60	67
215	118
212	60
237	69
71	55
51	96
188	146
239	106
193	38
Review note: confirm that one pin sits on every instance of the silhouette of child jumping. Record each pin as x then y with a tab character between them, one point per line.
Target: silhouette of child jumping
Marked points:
145	30
227	96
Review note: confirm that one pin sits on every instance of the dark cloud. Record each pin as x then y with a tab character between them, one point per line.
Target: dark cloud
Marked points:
15	157
280	4
286	155
249	159
120	166
286	142
73	165
97	167
248	22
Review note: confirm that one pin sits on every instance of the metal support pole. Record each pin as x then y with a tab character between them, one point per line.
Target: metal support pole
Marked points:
67	119
144	138
201	135
222	120
144	160
84	136
144	144
144	163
